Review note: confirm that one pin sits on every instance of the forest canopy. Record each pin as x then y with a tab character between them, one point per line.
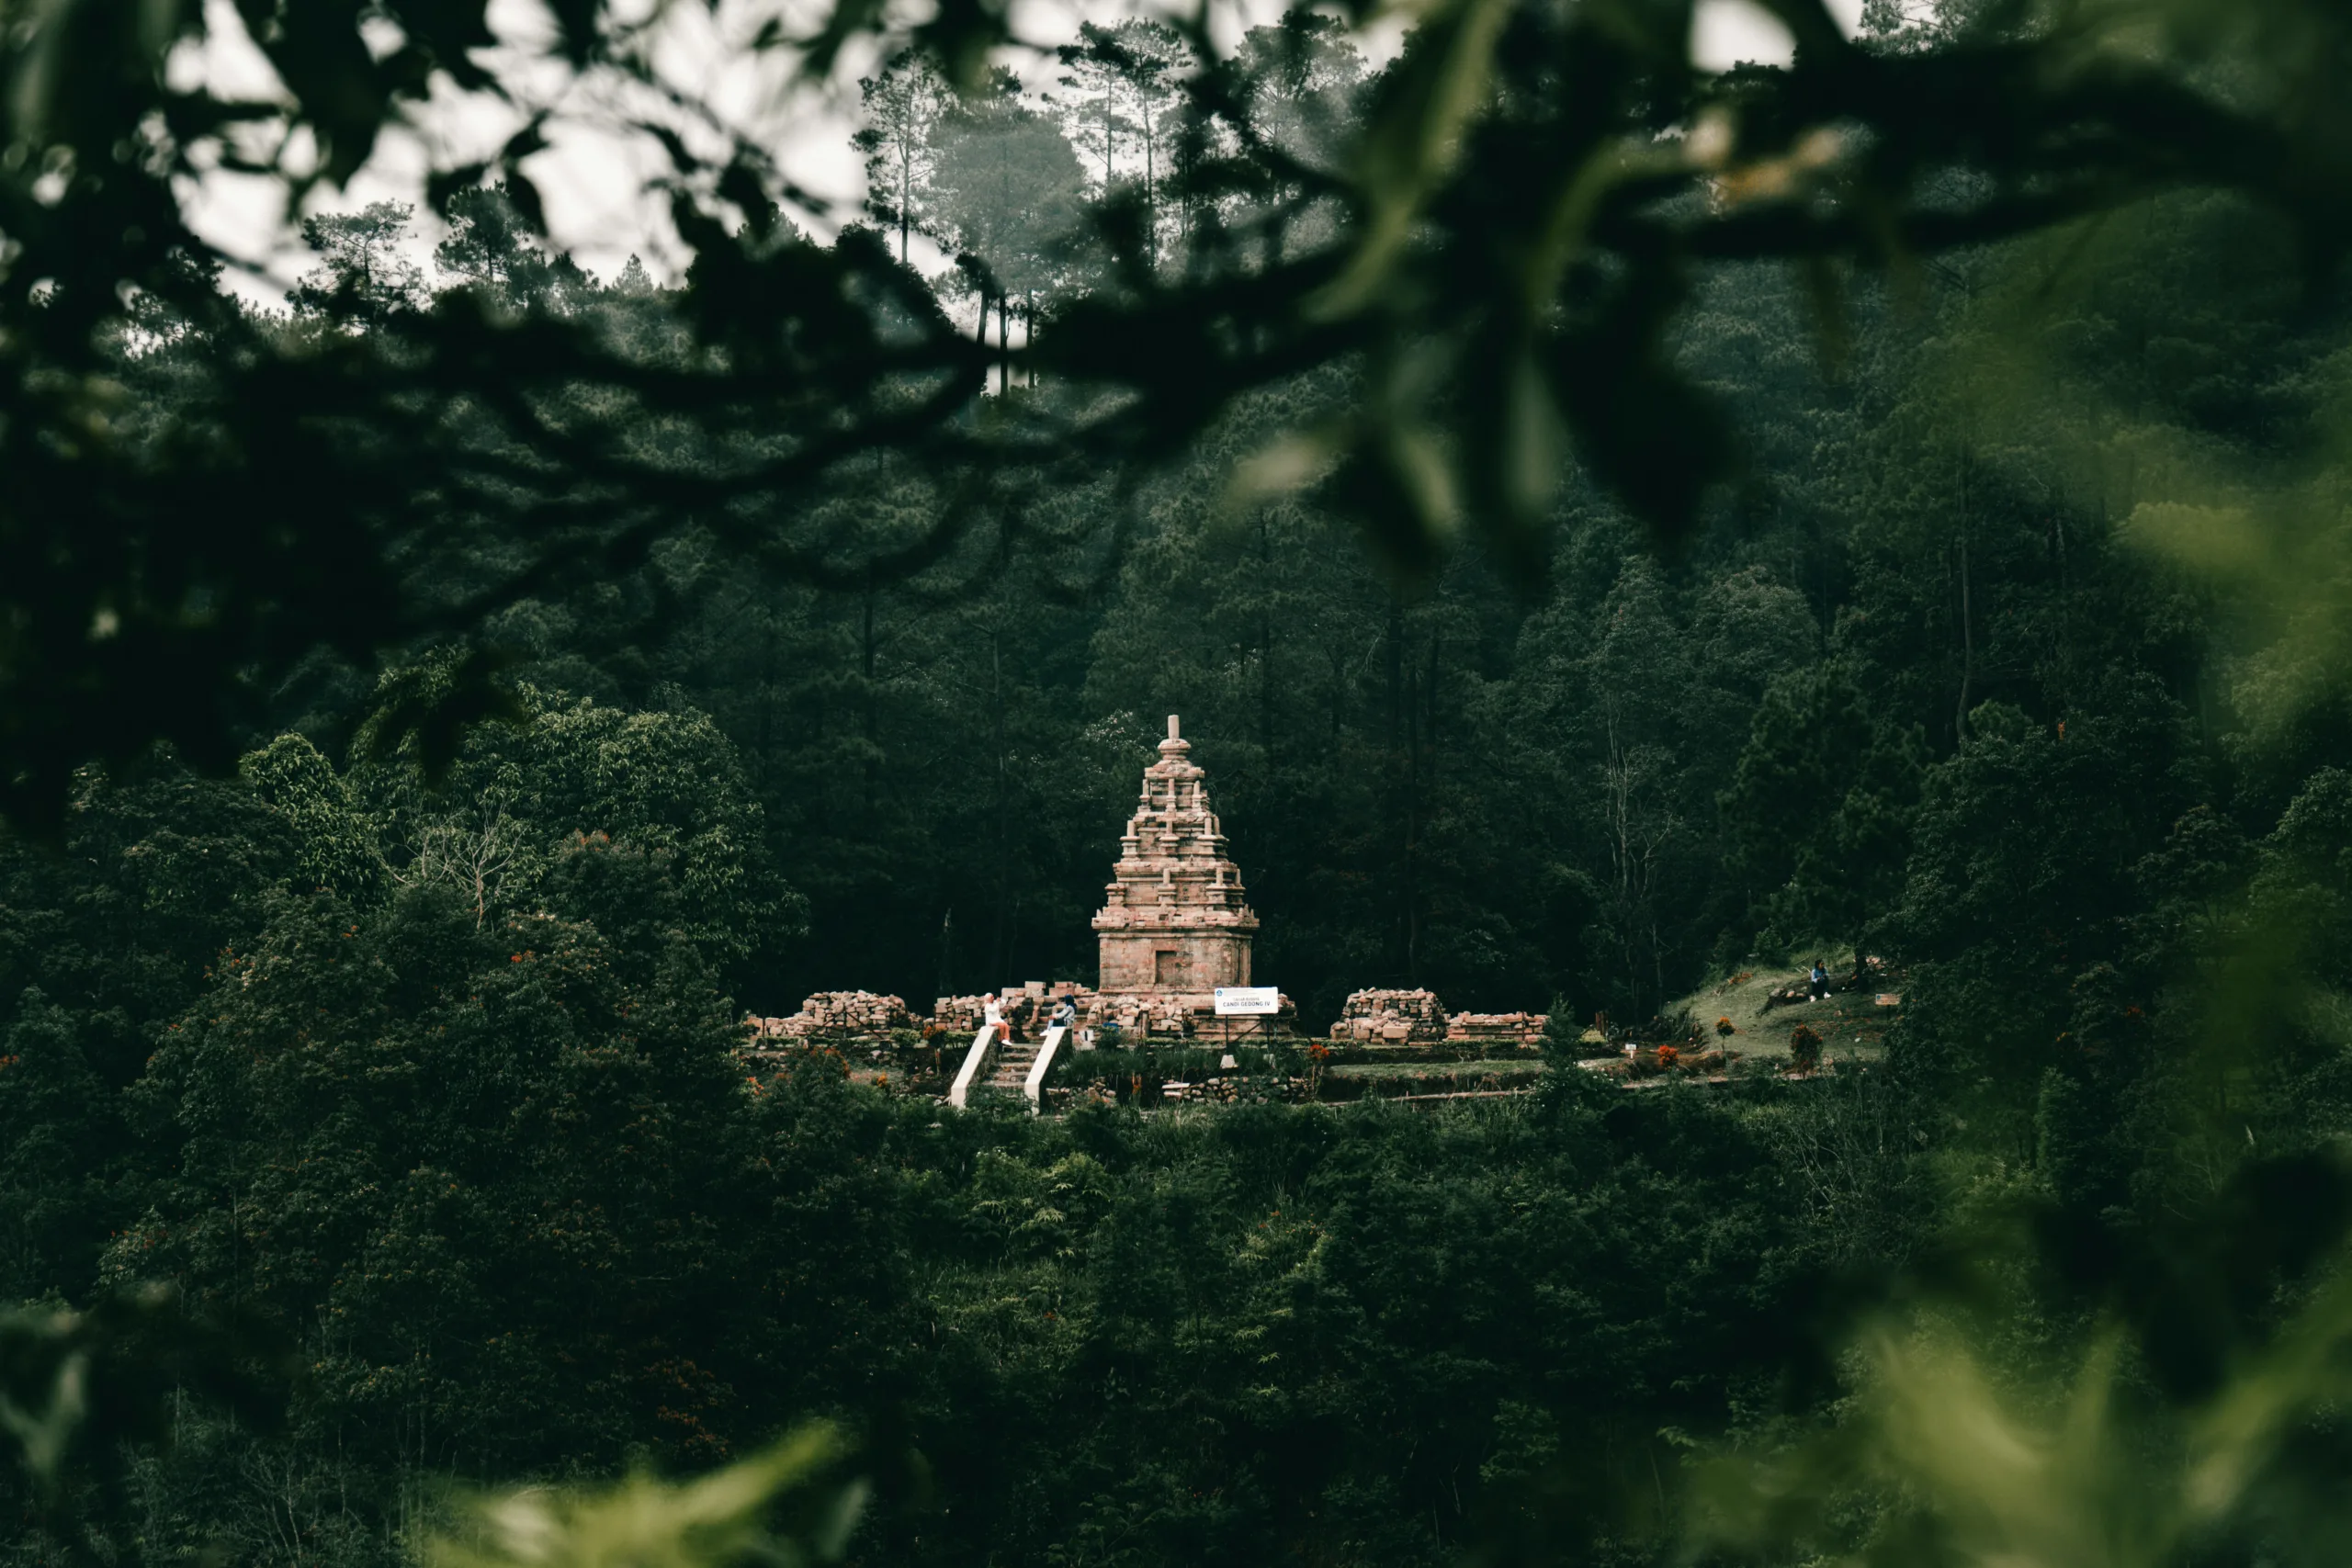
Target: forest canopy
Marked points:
1613	530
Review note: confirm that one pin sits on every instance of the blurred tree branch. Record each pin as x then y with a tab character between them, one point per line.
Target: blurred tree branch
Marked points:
1521	208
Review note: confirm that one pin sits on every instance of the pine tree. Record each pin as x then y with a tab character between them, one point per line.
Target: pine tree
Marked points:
365	275
903	106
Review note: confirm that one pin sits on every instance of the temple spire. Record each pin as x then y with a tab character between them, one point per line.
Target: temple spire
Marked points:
1174	919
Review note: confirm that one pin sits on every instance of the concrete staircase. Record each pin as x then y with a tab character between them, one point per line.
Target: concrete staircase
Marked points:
1013	1064
1008	1067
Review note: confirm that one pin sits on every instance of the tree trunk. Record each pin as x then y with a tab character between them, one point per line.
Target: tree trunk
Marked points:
866	672
1413	770
1339	663
1398	805
1265	641
1029	332
947	952
906	189
1429	690
1000	861
1396	652
1967	620
764	756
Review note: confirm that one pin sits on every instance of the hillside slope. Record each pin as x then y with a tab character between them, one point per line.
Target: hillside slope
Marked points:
1850	1021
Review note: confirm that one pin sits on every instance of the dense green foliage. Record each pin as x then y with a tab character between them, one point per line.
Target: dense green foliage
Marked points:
429	1075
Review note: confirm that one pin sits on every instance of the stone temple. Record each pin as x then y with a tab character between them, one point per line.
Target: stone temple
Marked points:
1174	926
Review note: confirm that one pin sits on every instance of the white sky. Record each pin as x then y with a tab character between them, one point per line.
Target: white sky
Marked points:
593	180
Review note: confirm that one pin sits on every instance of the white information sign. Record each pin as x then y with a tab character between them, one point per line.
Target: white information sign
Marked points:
1248	1001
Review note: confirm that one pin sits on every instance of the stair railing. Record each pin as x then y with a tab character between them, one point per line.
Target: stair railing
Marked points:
1036	1086
975	1064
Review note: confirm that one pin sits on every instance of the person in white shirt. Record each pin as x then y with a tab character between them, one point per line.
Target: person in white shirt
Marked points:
992	1014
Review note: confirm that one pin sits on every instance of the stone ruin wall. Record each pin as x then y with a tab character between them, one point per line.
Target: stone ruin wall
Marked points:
1393	1017
836	1015
1176	962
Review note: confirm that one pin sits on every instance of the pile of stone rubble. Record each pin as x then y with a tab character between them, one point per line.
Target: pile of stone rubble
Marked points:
1134	1015
956	1015
1125	1017
1376	1016
1392	1015
961	1015
831	1015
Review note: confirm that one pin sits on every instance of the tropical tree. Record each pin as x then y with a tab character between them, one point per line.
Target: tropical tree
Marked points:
1816	820
641	821
459	1163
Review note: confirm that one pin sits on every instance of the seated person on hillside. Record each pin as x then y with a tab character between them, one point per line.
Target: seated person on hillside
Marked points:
1819	981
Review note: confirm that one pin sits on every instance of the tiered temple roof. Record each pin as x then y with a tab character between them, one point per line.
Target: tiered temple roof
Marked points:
1175	918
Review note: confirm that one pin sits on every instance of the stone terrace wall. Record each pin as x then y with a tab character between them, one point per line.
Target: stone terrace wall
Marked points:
1513	1028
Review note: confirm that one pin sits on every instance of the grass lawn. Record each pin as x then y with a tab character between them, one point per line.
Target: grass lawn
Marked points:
1849	1022
1530	1062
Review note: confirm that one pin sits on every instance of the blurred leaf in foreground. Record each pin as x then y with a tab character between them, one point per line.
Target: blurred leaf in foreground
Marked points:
1977	1437
81	1392
789	1505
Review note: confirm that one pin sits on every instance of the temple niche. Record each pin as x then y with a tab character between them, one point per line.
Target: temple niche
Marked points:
1174	926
